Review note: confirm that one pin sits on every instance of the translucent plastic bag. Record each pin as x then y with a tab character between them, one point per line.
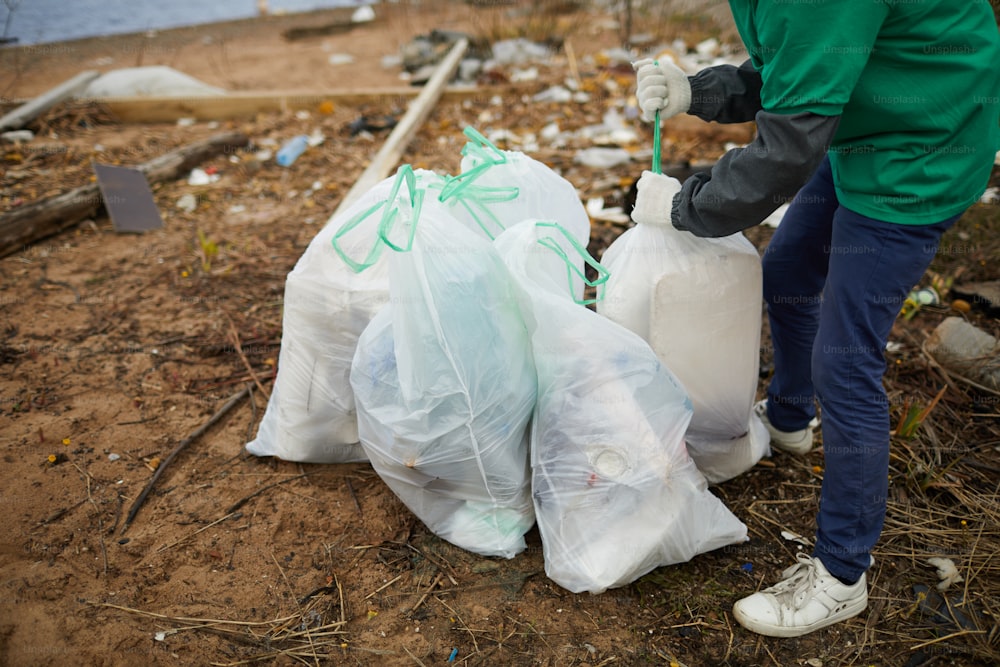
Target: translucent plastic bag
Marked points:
329	300
498	188
445	385
697	301
615	492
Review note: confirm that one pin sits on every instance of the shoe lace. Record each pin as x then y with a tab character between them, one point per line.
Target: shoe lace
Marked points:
798	579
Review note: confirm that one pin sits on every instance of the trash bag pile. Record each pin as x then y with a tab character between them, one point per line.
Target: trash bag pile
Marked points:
437	329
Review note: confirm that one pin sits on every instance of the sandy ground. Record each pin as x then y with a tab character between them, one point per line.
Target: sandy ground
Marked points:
116	348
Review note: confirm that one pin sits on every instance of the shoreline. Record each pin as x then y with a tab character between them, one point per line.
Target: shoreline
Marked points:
240	54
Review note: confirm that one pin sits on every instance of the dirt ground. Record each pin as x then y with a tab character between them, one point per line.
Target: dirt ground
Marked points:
116	348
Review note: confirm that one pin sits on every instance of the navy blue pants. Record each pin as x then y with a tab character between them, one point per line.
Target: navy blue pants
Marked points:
834	282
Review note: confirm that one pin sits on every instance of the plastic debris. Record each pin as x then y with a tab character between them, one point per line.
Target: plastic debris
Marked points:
946	571
199	176
596	211
519	51
292	149
363	14
556	94
155	80
522	75
602	158
18	136
187	203
340	59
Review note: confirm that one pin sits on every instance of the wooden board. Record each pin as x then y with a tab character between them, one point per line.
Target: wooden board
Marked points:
247	104
388	156
30	110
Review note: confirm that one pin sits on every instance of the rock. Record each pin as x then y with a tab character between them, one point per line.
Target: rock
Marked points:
967	350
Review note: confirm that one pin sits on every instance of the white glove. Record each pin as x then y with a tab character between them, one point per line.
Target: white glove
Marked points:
654	199
662	86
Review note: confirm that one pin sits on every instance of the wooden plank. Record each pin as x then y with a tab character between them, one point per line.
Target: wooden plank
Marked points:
388	156
31	222
30	110
247	104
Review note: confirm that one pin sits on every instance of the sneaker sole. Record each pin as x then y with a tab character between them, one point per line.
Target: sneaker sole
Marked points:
797	631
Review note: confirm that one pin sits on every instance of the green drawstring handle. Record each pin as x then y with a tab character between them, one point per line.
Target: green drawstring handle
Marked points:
572	269
657	168
390	213
476	199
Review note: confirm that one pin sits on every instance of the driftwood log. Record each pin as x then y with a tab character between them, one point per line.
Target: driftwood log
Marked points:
32	222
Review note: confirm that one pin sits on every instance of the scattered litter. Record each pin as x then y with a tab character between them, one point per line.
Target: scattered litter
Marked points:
709	48
187	203
953	613
814	662
237	208
795	537
991	195
154	80
114	457
186	122
292	149
617	56
263	155
372	124
452	655
340	59
391	60
892	347
127	198
315	138
521	75
18	136
946	571
553	94
302	115
363	14
519	51
199	176
602	158
596	211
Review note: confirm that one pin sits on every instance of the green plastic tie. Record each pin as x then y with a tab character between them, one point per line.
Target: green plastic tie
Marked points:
571	268
373	253
391	213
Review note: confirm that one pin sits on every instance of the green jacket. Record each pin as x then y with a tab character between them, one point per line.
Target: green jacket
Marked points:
904	96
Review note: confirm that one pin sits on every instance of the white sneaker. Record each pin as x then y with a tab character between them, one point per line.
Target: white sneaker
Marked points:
808	598
794	442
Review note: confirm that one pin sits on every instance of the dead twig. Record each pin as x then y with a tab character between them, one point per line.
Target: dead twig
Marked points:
233	401
243	501
238	346
100	522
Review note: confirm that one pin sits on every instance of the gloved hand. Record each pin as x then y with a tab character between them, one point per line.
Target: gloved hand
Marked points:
662	86
654	199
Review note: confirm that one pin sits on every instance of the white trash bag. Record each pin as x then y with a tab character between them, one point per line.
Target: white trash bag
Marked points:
332	293
498	188
616	493
698	302
445	385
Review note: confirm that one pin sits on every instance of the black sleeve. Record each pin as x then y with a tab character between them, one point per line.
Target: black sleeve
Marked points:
725	93
748	184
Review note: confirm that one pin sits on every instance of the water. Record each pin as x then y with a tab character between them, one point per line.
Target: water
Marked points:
42	21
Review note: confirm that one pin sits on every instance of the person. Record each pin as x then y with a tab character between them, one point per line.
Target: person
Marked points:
881	119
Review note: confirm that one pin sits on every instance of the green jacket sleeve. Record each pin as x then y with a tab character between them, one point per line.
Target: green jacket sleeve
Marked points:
725	93
748	184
